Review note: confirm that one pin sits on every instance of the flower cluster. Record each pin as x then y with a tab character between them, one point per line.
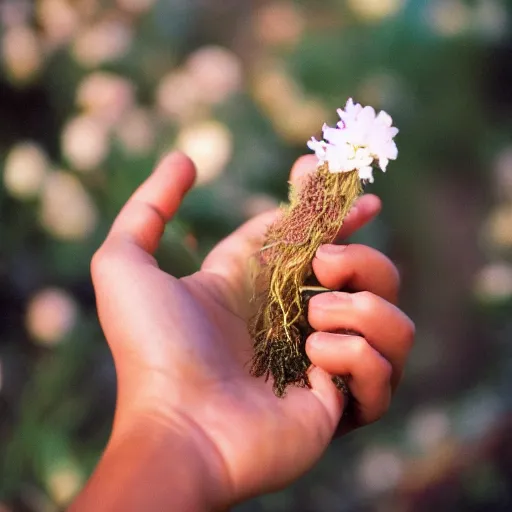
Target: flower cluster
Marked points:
360	139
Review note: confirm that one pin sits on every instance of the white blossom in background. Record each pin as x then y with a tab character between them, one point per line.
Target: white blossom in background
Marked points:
106	96
85	142
67	210
216	71
448	18
25	169
137	131
59	21
428	427
210	145
375	10
51	314
178	97
136	6
21	53
494	282
102	43
380	469
491	20
279	23
64	478
359	141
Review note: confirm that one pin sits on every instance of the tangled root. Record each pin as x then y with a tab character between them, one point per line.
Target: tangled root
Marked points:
279	328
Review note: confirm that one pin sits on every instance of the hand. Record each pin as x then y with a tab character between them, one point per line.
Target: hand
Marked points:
181	346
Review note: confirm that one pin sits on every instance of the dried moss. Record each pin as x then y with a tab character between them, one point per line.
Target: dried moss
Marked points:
279	328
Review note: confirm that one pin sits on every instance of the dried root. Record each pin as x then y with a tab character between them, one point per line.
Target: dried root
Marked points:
280	328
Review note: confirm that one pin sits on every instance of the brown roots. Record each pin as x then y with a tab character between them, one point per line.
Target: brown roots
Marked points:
279	328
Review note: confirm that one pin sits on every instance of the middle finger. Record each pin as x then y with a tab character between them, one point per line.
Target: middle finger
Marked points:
384	326
358	268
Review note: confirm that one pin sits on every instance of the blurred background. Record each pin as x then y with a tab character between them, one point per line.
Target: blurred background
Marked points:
93	92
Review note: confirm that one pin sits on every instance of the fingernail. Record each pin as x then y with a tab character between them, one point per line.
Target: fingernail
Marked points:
328	250
327	299
315	342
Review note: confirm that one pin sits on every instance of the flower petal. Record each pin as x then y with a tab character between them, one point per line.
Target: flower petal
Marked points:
366	173
319	147
385	119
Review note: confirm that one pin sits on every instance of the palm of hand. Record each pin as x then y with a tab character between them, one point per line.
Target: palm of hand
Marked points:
189	331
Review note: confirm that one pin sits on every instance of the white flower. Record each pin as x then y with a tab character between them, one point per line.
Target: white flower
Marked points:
358	141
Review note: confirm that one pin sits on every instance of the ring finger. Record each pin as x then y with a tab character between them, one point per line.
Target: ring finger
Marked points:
386	328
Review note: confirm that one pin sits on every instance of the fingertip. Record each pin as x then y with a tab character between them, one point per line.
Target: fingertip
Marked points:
314	342
178	162
304	166
315	348
334	352
369	205
330	251
325	344
175	158
364	210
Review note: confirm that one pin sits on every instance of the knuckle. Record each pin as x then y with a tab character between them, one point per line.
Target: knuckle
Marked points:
359	348
386	267
365	301
386	371
103	261
380	369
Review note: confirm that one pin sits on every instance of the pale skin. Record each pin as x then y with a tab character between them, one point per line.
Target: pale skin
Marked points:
193	430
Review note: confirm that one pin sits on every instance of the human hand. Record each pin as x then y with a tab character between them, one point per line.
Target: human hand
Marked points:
181	346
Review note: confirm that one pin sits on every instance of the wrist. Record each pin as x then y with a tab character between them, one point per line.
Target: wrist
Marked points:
182	453
158	464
